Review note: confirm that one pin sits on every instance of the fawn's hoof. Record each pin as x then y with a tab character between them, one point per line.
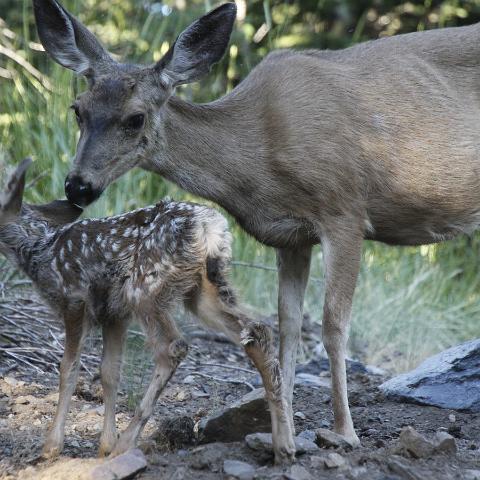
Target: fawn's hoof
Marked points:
50	452
285	454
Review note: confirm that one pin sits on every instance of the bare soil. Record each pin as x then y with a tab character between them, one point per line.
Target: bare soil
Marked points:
28	399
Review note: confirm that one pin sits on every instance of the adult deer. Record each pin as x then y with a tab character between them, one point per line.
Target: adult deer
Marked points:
379	141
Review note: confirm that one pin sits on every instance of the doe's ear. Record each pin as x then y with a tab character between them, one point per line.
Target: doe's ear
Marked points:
198	47
67	40
12	197
58	212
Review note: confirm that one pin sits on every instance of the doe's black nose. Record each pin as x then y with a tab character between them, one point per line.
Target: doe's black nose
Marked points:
78	192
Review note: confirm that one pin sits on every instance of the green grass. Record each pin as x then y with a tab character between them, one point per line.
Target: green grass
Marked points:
409	303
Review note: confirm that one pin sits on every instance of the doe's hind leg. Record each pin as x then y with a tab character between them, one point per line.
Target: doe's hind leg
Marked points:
214	303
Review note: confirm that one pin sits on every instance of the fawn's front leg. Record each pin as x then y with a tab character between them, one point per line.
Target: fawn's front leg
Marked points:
113	341
76	329
169	349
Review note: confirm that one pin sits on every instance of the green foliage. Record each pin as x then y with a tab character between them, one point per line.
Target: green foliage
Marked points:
409	303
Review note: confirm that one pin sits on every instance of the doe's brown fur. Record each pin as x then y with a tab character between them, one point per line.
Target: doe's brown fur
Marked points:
379	141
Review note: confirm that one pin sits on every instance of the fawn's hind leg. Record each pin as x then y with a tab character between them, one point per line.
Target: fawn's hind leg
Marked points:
169	349
215	304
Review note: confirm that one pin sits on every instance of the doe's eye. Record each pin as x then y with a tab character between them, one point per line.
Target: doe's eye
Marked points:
135	122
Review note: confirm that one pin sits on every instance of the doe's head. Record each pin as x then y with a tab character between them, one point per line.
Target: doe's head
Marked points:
120	115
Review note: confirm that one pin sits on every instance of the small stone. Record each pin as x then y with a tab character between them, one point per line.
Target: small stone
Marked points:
317	462
25	399
397	466
335	460
471	475
181	395
37	422
300	415
445	443
13	382
237	470
310	380
297	472
263	442
328	439
414	443
248	415
122	467
308	434
189	379
452	418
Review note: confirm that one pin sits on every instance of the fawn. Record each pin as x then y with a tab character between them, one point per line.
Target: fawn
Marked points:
138	265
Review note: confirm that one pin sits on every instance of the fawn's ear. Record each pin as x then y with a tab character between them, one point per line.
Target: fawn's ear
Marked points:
12	196
58	212
67	40
198	47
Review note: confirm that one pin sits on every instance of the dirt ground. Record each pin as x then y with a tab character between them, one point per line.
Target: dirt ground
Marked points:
27	403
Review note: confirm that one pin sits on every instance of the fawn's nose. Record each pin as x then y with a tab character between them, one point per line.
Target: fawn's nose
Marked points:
78	192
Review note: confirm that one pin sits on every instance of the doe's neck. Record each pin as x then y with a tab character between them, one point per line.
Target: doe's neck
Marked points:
208	149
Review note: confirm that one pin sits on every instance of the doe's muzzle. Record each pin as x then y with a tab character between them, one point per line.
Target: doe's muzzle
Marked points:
80	193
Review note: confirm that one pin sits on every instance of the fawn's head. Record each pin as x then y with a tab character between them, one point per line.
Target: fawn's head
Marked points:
21	222
120	115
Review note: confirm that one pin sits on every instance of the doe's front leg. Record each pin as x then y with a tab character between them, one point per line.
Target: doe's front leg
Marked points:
342	253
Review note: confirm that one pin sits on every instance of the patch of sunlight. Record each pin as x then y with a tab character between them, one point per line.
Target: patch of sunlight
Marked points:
9	118
428	251
289	41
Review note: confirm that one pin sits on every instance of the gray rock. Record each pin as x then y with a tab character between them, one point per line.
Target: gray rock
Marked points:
234	469
308	434
335	460
322	364
411	442
328	439
122	467
250	414
471	475
262	442
312	380
398	466
208	457
297	472
445	443
448	380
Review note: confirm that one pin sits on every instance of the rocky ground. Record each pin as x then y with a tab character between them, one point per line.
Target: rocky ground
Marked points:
389	450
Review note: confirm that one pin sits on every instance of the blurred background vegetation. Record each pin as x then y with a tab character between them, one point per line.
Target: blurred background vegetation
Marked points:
410	302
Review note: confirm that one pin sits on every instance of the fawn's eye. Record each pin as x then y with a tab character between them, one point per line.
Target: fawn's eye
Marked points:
77	113
135	122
